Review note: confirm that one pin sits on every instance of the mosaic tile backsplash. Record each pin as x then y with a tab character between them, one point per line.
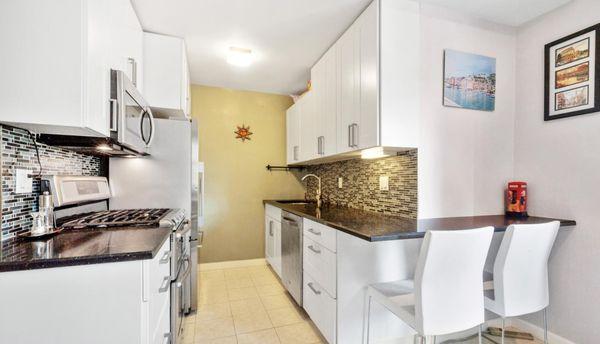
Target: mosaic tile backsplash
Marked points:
18	152
361	184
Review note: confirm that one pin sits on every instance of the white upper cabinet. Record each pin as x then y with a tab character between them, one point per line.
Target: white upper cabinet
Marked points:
166	75
366	87
56	61
348	89
324	85
308	126
293	134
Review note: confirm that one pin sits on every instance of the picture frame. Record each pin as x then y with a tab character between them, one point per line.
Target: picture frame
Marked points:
469	81
572	75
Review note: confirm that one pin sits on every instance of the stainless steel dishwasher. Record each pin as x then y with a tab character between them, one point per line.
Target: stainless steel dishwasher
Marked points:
291	254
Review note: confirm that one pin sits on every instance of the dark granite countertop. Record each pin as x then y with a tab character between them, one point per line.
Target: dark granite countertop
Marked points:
372	226
81	247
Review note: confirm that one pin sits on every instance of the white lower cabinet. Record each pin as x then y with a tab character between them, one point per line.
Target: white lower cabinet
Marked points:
273	237
319	264
158	295
118	303
320	306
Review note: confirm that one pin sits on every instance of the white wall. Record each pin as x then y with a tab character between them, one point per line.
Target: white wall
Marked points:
560	160
465	156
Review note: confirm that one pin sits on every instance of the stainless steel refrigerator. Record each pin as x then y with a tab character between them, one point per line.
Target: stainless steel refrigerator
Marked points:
171	177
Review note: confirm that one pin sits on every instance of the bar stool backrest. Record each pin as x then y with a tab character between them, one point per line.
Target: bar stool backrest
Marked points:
521	268
449	280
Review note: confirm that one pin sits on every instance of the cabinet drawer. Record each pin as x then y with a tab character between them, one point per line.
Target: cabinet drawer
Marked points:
160	267
320	307
320	263
158	293
322	234
273	212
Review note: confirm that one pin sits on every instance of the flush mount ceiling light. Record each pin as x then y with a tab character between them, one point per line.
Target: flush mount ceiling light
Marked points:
240	57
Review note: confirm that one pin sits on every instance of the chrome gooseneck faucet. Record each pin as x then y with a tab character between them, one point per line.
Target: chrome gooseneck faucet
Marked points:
319	201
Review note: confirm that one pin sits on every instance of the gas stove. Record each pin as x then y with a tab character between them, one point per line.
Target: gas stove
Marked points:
124	218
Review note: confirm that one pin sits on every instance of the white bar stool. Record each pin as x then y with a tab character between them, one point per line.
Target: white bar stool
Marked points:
446	295
519	284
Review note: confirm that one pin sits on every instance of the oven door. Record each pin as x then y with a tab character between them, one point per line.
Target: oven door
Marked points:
132	122
178	303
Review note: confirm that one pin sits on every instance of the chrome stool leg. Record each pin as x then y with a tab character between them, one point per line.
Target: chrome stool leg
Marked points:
479	334
502	341
545	326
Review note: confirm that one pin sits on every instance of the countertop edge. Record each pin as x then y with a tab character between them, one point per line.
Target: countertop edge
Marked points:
403	236
85	260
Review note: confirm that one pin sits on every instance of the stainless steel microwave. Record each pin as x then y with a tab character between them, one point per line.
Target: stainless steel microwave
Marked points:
131	119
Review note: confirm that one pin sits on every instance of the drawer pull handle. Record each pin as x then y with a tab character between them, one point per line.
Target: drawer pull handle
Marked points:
312	248
165	258
165	284
314	232
310	285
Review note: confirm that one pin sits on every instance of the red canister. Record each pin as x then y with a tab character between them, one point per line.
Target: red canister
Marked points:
516	199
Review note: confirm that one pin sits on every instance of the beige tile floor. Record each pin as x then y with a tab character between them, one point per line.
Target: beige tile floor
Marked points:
247	306
250	306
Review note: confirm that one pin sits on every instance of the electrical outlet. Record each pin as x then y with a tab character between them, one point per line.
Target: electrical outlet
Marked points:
23	181
340	182
384	183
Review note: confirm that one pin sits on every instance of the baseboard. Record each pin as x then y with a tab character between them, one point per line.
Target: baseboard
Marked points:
537	332
232	264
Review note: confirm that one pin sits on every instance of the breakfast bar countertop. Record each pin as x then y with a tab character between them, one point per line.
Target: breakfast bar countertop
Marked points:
373	226
82	247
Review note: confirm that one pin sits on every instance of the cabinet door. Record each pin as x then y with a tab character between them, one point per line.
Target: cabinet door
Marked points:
127	48
308	138
319	98
367	129
293	134
98	64
269	239
347	89
186	98
328	120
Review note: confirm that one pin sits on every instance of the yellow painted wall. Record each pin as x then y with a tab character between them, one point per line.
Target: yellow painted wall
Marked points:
236	180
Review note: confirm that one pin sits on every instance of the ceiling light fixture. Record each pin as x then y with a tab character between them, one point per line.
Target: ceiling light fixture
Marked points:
240	57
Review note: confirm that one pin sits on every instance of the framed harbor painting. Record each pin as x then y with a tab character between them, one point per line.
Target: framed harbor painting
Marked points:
469	81
572	75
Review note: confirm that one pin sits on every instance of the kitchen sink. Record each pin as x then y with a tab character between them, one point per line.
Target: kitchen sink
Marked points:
295	202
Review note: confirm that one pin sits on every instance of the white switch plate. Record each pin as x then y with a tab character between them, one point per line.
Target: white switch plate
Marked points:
340	182
384	183
23	181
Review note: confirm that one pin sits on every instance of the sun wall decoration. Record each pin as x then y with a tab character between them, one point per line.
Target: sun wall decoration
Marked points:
243	133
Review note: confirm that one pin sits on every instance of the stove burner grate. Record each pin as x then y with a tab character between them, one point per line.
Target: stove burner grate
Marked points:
117	218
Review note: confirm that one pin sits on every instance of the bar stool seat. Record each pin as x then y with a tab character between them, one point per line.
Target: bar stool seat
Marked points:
519	283
446	295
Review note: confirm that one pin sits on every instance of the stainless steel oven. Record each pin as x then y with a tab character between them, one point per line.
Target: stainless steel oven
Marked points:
180	278
131	119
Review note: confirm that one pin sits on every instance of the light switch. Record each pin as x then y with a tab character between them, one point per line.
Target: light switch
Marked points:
340	182
23	181
384	183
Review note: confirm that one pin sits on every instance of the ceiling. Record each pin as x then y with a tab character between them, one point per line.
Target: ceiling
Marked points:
286	36
507	12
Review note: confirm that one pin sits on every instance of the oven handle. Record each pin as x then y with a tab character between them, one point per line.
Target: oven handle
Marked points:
182	276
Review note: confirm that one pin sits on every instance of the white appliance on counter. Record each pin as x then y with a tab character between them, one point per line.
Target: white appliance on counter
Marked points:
170	177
